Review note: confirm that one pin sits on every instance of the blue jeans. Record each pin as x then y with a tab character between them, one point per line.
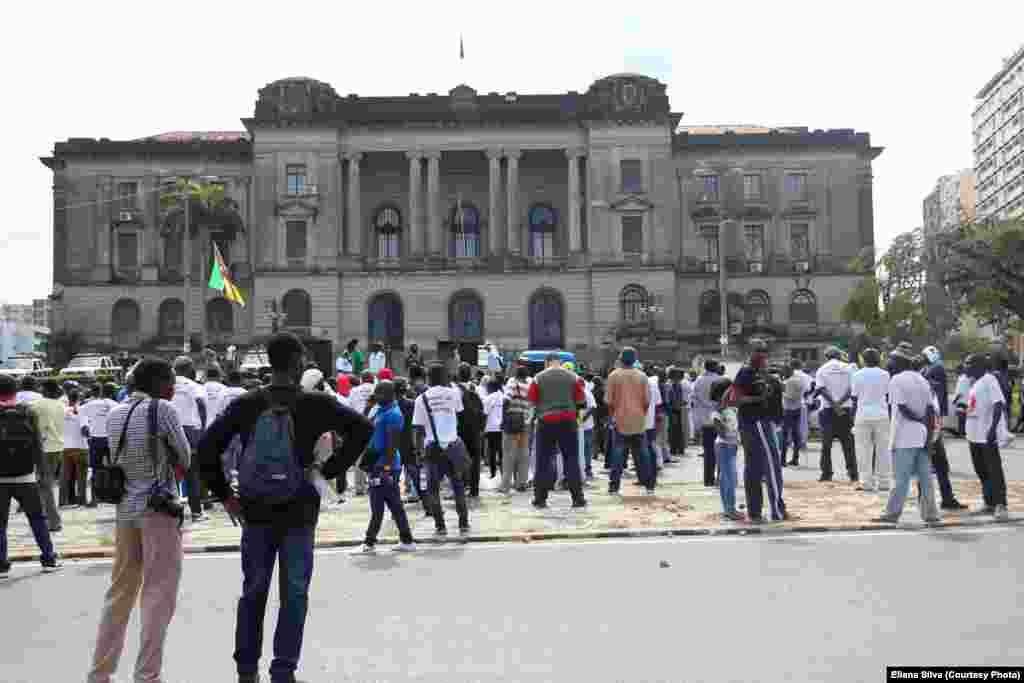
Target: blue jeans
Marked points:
907	463
436	472
31	504
565	437
386	494
261	545
727	476
99	450
588	450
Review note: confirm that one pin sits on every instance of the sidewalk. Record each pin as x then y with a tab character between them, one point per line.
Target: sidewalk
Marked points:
682	506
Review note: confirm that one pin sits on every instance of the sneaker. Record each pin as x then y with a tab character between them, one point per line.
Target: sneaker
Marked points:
794	463
366	549
983	511
1001	513
539	505
613	492
404	548
51	566
886	519
649	492
4	572
732	517
464	531
954	505
579	505
200	518
360	493
825	477
440	533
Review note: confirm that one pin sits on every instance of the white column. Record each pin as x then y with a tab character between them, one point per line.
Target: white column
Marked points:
434	236
355	216
513	200
575	243
494	193
415	191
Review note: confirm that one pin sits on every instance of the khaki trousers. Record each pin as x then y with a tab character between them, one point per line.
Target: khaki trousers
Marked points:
148	555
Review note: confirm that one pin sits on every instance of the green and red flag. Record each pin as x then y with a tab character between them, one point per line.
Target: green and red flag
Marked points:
220	279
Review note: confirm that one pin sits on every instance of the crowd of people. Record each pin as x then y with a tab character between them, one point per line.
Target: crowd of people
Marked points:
275	452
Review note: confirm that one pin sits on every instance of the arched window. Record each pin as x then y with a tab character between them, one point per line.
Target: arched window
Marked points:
387	223
465	229
171	319
633	299
543	223
710	313
125	324
297	308
386	321
758	308
466	317
220	317
803	307
546	320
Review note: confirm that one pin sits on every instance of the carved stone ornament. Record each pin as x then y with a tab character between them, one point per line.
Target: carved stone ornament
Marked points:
295	98
627	97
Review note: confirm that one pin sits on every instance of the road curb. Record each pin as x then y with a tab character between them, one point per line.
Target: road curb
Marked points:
93	553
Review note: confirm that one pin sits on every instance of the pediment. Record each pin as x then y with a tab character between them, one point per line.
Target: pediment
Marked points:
632	203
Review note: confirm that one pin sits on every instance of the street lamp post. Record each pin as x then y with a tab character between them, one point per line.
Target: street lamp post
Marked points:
184	195
650	310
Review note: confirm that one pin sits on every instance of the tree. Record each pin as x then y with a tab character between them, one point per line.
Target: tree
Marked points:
982	269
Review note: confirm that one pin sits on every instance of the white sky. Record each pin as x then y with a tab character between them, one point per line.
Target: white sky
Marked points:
905	72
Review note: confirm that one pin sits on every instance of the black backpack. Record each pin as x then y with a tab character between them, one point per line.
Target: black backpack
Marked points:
471	419
20	446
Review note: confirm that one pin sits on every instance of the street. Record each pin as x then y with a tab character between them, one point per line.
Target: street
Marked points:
795	608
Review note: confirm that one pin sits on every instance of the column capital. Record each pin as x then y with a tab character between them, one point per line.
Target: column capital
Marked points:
574	152
354	156
494	152
414	154
513	153
432	154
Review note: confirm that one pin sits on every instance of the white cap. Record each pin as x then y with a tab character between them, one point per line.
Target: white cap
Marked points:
310	378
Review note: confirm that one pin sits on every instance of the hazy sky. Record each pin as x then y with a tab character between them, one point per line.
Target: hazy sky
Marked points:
905	72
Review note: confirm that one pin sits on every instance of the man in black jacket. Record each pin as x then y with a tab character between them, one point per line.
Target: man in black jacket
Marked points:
471	428
287	529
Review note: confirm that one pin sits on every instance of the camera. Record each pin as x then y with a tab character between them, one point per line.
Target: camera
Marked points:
167	503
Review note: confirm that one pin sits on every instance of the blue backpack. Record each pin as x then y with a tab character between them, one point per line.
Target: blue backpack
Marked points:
269	470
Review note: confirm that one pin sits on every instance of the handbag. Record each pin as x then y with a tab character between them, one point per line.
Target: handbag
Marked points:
456	453
108	479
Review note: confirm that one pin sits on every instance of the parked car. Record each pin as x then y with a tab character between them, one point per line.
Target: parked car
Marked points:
93	367
255	362
534	360
25	364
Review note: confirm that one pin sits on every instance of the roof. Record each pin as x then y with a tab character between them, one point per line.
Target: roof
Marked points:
197	136
744	135
1008	64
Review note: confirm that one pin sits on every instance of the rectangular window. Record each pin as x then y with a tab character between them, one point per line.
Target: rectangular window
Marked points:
127	194
752	187
709	188
754	242
296	175
709	234
387	244
796	185
542	244
295	241
127	250
632	234
632	176
799	241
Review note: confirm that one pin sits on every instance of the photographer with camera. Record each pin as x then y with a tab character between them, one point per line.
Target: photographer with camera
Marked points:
147	443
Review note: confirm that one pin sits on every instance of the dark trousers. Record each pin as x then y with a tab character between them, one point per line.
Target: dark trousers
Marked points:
676	445
762	462
99	450
988	463
840	427
941	464
262	544
791	433
436	472
195	498
387	494
708	435
31	504
494	452
472	479
564	437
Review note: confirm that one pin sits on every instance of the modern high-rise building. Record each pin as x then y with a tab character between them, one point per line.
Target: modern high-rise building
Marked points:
998	123
952	202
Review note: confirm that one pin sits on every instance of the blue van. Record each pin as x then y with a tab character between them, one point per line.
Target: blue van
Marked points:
534	360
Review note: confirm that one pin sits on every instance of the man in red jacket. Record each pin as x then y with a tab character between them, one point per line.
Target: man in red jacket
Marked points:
557	394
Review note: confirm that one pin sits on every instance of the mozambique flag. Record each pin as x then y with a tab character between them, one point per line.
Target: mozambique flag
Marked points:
220	279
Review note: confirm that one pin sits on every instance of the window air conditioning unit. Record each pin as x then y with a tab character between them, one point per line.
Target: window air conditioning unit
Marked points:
756	267
801	266
311	189
710	267
124	216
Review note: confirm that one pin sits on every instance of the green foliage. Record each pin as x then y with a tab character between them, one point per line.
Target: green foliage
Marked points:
961	345
208	202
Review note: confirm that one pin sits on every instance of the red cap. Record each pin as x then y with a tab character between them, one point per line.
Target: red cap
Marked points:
385	373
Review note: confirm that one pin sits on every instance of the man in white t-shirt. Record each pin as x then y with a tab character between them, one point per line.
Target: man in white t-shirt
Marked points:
193	410
214	394
433	438
914	411
94	418
870	391
587	433
985	411
834	380
359	397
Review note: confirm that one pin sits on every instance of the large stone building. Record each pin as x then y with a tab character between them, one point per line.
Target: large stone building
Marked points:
998	124
568	220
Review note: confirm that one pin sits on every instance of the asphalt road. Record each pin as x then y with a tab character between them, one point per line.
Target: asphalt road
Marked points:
793	608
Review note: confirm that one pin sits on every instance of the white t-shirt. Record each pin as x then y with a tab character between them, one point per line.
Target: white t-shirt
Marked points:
214	399
836	376
27	397
591	405
73	429
870	388
654	400
494	406
445	404
360	396
229	395
377	362
909	388
981	400
94	416
186	393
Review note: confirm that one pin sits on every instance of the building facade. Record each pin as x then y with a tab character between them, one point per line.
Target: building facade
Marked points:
580	221
951	203
998	123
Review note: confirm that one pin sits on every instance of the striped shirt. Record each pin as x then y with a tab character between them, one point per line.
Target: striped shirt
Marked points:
140	471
